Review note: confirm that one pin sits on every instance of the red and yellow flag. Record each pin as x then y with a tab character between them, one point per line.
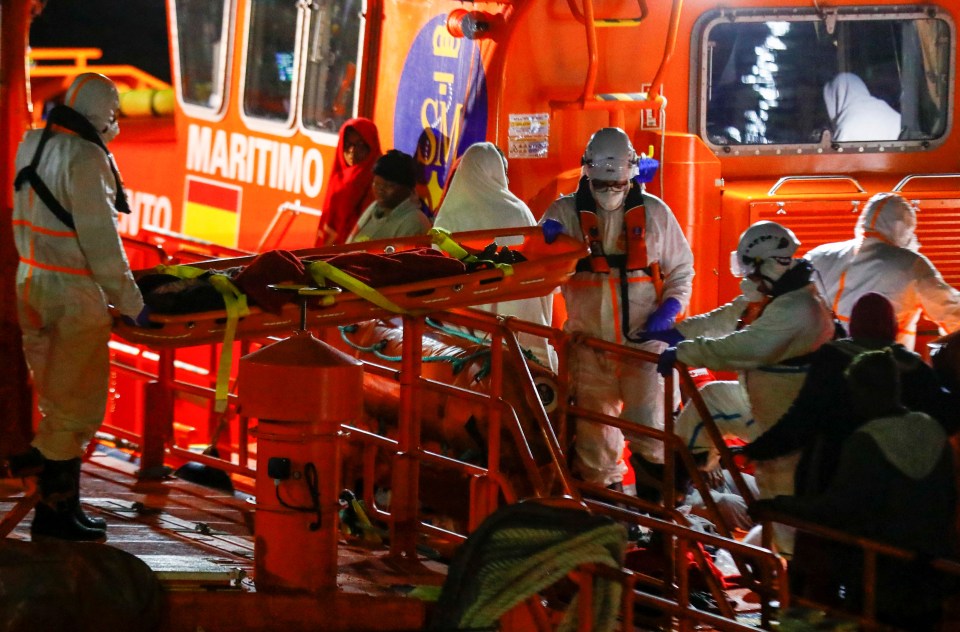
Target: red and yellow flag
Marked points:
212	211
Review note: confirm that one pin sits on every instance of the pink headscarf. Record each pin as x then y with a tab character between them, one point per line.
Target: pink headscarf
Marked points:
348	190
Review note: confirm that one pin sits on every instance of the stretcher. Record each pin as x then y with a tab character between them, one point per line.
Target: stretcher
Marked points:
547	266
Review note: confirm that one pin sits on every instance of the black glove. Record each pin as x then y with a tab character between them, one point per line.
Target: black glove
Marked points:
666	361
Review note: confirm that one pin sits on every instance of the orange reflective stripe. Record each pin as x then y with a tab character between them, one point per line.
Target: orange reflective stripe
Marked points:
875	235
64	269
76	92
614	295
44	231
836	299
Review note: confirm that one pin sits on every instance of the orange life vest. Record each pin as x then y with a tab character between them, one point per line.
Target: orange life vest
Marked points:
634	233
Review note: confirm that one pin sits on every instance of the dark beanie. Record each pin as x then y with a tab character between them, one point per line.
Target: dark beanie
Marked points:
398	167
872	318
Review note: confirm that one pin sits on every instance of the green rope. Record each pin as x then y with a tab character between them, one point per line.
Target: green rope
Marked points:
525	560
377	350
527	353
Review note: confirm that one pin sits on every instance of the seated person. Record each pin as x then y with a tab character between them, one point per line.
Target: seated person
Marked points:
348	191
855	115
478	198
396	211
821	417
895	483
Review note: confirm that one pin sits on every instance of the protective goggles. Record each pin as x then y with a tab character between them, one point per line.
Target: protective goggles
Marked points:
604	186
744	266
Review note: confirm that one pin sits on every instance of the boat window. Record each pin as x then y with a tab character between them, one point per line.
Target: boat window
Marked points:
202	29
270	68
815	78
333	55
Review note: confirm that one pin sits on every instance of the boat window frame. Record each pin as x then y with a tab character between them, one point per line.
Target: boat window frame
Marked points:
228	28
700	75
325	137
282	128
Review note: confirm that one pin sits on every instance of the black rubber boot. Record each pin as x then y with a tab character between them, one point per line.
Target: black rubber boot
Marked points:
55	514
649	478
90	522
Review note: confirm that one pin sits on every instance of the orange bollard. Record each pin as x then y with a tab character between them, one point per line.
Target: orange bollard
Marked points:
301	389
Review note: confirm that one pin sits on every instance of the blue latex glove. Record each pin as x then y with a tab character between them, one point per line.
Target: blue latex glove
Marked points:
669	336
662	318
666	361
141	320
551	230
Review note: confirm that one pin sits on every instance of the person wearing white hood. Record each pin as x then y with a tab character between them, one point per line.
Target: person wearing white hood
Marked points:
884	257
855	115
478	199
766	334
72	267
637	276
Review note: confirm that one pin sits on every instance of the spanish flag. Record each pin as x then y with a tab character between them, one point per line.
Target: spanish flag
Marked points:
212	211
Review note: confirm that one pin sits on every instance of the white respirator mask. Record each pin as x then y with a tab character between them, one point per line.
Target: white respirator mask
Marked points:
609	198
750	290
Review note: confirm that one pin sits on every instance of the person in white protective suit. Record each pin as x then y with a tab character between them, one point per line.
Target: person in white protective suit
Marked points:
637	276
765	335
72	266
478	198
855	114
884	257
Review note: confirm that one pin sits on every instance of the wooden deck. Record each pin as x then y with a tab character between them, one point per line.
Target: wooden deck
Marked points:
200	544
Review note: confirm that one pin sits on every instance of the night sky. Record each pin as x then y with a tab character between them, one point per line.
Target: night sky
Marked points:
128	31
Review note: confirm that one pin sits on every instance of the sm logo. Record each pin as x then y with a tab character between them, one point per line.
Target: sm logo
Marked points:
441	103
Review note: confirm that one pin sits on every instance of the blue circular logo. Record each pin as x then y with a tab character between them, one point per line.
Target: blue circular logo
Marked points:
441	102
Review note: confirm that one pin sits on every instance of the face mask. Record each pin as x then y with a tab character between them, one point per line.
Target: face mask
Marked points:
608	198
110	132
748	287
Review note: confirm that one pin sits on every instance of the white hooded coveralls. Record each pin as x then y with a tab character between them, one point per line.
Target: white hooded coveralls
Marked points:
883	258
791	325
65	280
855	115
631	390
478	199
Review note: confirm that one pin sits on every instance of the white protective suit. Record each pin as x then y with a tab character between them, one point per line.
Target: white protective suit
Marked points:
632	390
478	199
855	115
66	278
883	258
791	325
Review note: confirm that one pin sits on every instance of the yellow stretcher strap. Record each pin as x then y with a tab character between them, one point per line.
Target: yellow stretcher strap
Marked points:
235	302
321	272
442	240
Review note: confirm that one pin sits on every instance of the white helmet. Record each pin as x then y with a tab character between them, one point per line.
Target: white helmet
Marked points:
610	156
96	97
763	242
